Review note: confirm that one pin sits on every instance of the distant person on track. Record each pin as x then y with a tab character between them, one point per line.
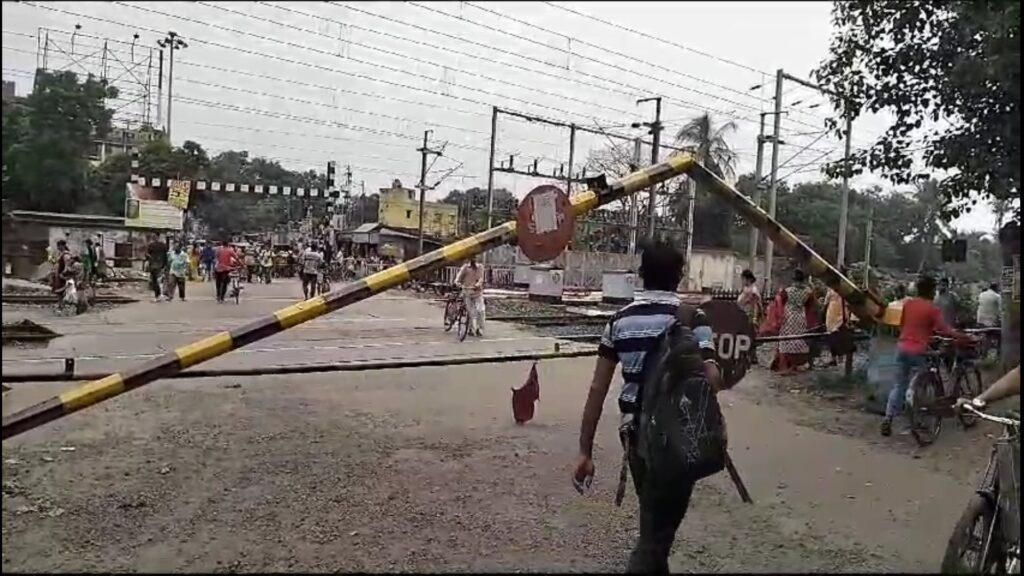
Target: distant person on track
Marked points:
61	263
920	319
179	273
633	332
989	303
471	279
797	303
225	260
207	259
156	263
310	264
749	299
947	302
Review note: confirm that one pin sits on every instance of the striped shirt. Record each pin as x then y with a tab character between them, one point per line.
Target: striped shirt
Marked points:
634	330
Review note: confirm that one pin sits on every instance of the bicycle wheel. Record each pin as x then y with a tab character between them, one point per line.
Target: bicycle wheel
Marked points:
968	385
925	418
965	551
450	309
238	293
463	322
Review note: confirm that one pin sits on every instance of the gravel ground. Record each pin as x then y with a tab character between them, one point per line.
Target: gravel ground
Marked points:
405	471
424	470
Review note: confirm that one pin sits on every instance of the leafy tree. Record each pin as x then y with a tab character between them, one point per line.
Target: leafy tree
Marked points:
472	205
47	137
953	65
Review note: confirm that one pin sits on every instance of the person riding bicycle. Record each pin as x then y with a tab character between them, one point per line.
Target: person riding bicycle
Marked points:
226	262
471	279
921	318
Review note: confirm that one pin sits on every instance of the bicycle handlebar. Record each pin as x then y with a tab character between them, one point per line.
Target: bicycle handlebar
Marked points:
997	419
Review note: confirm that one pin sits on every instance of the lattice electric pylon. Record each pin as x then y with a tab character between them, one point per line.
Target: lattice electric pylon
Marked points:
125	64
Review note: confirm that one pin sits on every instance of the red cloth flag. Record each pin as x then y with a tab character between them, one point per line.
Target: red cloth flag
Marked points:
523	399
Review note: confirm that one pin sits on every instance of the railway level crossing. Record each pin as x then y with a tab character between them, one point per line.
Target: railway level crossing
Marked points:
864	305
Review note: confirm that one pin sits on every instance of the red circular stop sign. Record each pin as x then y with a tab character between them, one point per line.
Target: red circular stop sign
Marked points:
544	223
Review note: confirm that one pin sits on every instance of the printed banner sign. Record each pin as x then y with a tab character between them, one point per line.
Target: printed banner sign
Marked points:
178	193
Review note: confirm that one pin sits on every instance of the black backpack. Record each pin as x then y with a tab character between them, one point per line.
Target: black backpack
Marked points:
681	432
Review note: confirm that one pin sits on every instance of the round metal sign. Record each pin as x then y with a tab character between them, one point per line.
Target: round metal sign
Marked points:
734	336
544	223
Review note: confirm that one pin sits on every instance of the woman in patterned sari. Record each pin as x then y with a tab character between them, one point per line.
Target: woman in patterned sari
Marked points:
797	302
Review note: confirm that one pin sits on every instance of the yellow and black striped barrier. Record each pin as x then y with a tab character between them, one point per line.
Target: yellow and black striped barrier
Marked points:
96	391
864	305
184	357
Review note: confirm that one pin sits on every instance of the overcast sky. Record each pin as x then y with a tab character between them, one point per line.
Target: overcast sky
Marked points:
359	82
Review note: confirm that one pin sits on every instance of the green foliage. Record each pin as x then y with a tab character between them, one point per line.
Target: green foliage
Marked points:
472	205
47	137
712	219
953	65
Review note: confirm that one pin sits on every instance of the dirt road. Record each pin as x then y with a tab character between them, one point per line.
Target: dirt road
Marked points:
424	470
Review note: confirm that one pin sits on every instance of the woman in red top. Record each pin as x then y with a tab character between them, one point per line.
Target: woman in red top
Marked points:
920	319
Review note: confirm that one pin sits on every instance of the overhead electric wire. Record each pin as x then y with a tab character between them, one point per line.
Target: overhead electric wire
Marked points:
511	52
284	80
413	156
621	55
683	103
805	148
657	38
801	167
292	61
375	64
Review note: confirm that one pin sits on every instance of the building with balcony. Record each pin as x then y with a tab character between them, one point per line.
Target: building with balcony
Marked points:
399	207
120	141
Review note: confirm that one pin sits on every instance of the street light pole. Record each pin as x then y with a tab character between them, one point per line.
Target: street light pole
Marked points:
172	42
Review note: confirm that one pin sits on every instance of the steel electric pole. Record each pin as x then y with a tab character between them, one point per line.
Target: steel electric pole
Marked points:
172	42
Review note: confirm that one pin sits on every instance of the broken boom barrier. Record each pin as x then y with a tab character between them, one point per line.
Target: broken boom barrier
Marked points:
866	306
91	393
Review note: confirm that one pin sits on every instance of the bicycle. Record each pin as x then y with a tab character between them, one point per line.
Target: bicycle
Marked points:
455	313
994	508
323	283
927	394
235	287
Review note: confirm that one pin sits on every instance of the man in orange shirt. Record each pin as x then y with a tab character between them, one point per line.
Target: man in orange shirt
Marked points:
920	319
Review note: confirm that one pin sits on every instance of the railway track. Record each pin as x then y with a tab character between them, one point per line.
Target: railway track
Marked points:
27	331
553	320
51	299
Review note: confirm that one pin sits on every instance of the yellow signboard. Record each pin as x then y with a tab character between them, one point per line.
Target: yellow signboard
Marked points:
178	192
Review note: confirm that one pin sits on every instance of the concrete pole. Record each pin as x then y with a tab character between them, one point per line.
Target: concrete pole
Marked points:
758	169
490	168
844	202
572	155
867	247
423	185
634	201
655	147
769	249
691	192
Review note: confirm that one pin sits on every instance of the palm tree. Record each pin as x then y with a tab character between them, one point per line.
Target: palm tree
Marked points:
707	141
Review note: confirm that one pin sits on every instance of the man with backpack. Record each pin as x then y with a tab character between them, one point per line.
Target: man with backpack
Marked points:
671	427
